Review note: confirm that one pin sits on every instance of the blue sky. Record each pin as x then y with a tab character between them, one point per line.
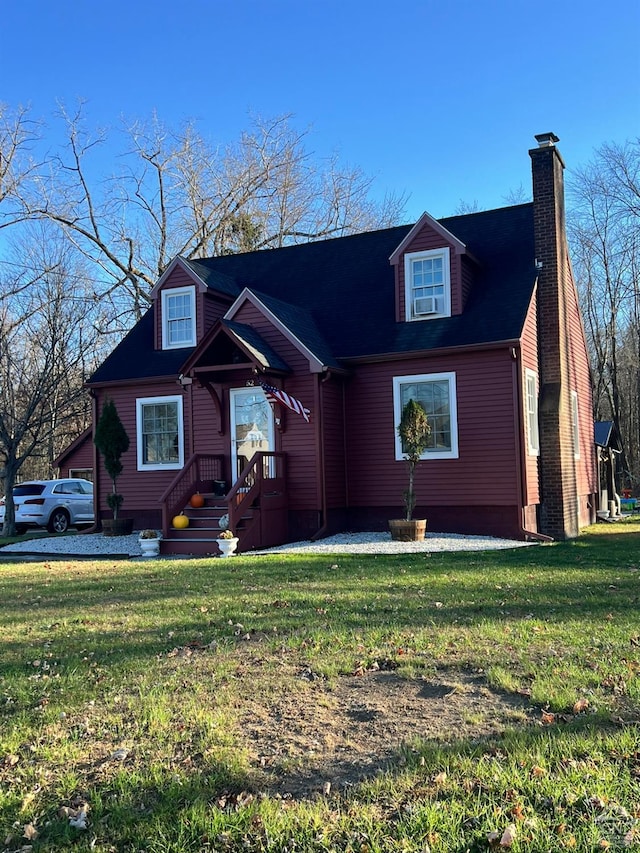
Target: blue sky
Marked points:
438	100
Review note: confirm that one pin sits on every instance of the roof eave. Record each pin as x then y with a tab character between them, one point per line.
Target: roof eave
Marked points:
139	380
426	353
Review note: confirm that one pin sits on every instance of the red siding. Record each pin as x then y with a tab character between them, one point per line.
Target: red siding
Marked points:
484	473
141	489
580	381
333	427
212	310
80	457
529	349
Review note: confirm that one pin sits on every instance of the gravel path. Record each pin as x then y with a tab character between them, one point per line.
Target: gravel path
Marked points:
89	544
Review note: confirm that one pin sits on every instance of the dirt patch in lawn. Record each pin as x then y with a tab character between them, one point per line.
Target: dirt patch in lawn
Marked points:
314	736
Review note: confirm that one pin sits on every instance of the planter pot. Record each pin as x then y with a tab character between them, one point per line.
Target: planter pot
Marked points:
408	531
117	526
227	546
149	547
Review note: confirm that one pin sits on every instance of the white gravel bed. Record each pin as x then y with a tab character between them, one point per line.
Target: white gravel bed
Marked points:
82	544
89	544
381	543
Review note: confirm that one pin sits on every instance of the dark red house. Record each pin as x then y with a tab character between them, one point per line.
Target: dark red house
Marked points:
476	316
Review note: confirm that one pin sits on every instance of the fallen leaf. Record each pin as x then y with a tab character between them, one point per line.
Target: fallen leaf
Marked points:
29	832
508	836
517	811
440	778
537	772
548	718
580	706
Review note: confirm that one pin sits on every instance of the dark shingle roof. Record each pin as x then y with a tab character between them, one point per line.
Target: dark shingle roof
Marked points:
136	358
347	285
338	296
301	323
214	279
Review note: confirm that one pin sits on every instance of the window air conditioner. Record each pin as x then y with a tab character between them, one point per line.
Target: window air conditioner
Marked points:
426	305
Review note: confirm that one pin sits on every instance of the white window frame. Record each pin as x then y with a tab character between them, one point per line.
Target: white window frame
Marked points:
189	291
398	381
141	402
81	474
532	411
575	422
409	259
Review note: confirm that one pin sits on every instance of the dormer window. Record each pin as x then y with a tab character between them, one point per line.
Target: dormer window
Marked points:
178	317
427	284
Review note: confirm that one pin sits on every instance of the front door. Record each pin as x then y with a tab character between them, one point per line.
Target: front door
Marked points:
251	426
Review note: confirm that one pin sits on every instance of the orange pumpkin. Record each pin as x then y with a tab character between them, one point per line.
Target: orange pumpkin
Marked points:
180	522
196	501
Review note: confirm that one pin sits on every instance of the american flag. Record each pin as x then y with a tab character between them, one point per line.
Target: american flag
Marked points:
275	395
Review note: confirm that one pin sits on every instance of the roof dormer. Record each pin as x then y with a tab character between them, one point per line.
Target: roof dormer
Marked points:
186	306
428	272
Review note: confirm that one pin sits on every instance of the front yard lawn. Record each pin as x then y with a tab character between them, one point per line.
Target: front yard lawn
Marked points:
444	702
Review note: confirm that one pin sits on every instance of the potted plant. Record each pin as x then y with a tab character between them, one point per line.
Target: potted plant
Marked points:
414	431
150	542
112	441
227	543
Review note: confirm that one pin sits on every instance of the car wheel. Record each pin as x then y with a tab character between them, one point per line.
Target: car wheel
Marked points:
58	521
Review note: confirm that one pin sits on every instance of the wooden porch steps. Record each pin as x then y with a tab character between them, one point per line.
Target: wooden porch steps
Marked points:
200	537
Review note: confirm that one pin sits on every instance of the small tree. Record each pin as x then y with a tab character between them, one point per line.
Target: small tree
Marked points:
112	441
414	432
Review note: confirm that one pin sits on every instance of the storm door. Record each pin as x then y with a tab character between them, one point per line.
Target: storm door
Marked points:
251	426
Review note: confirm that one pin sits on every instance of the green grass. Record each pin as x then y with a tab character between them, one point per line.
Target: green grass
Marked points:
164	660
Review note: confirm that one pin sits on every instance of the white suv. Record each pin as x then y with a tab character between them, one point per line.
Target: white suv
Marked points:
54	504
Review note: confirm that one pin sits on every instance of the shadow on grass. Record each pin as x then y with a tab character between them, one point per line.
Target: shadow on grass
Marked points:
131	611
548	775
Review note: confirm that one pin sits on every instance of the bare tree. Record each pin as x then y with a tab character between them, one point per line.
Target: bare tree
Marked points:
174	193
47	347
18	134
604	223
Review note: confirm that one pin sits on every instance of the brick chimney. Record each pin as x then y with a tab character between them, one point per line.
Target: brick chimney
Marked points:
558	510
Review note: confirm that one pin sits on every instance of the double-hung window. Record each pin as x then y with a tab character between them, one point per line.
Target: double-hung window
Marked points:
178	317
436	392
160	433
531	394
427	284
